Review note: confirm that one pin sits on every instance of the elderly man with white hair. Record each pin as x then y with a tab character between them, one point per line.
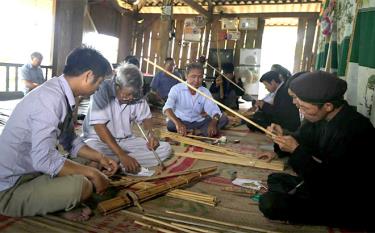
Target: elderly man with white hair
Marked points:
107	126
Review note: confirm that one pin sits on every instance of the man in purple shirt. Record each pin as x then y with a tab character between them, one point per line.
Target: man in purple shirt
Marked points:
162	83
35	178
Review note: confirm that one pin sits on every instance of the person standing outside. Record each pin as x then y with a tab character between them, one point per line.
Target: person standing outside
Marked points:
31	73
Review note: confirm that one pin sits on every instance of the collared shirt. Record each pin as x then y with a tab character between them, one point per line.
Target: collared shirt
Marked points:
33	74
105	109
28	141
162	83
271	96
188	107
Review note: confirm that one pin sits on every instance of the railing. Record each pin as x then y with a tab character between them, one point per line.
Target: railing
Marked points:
9	75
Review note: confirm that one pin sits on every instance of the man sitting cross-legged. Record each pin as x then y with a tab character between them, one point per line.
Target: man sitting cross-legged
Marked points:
184	106
108	125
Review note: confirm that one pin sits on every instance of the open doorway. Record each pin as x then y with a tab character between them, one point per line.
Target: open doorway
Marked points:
278	46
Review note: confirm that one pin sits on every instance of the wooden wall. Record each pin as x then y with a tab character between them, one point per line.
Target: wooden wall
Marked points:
148	41
145	40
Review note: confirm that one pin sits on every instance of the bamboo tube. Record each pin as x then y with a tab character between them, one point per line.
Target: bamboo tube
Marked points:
212	99
190	141
129	183
166	224
218	222
191	223
273	165
226	77
151	227
117	203
193	228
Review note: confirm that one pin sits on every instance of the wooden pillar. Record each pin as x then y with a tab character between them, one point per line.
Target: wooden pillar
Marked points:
309	41
299	45
165	27
208	31
125	37
259	35
69	16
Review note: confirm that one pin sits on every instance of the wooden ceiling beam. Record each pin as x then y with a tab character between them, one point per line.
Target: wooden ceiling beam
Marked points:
197	7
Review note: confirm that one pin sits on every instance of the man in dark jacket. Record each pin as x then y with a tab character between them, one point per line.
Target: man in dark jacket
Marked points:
331	155
230	93
281	109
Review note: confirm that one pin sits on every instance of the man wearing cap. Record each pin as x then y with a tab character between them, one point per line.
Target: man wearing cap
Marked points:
230	93
329	153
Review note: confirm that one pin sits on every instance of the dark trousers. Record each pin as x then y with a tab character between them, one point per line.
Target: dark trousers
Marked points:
261	119
202	126
297	206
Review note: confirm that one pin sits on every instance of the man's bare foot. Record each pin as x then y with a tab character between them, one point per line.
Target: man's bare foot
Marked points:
77	214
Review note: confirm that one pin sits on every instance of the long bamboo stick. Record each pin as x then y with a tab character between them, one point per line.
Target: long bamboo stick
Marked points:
212	99
166	224
195	223
193	228
273	165
218	222
151	227
226	77
152	149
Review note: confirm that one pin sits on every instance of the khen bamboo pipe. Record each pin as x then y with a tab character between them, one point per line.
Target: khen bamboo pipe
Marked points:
212	99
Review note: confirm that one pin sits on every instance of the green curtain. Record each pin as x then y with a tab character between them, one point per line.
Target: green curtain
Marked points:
361	70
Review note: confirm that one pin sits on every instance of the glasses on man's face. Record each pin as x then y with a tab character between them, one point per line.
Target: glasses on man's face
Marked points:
129	96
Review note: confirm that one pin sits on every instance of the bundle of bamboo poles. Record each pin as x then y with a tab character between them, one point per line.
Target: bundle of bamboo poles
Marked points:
218	157
193	142
117	203
193	196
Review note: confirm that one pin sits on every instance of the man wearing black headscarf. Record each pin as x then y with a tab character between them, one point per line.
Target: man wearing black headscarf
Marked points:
330	153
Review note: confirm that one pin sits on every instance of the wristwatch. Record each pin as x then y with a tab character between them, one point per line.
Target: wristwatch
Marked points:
216	117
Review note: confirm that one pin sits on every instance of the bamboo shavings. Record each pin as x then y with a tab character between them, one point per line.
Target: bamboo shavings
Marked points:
193	196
